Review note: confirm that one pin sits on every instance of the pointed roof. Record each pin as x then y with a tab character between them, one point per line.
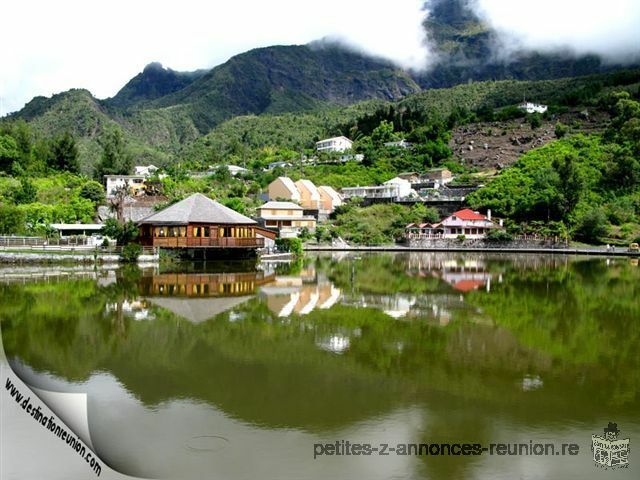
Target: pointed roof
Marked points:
197	208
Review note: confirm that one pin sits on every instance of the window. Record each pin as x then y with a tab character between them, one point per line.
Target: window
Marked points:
201	232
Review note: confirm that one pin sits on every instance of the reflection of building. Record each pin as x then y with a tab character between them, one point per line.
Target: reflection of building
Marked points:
200	296
136	309
198	309
203	284
291	294
464	274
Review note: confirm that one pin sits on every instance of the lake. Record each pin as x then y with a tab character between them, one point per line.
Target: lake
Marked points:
248	371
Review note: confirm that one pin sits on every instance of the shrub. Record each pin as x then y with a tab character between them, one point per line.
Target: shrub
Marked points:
561	130
535	120
498	235
131	252
93	191
461	238
592	226
293	245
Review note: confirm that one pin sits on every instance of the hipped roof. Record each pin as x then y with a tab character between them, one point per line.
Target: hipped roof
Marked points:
197	208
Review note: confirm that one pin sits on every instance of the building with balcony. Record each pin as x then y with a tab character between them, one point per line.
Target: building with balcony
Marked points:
391	190
199	222
335	144
133	183
287	217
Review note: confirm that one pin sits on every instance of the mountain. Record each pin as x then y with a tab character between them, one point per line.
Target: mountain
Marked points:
289	79
470	50
153	82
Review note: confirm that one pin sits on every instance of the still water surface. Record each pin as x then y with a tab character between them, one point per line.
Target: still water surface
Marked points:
236	371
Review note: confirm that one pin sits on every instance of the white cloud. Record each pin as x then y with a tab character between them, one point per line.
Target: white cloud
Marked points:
51	46
609	28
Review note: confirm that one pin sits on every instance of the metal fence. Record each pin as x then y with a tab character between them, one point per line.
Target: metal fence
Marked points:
17	241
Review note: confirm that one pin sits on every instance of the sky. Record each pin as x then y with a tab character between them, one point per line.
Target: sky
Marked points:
50	46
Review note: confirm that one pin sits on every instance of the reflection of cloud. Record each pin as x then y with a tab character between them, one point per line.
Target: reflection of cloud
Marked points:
334	343
531	382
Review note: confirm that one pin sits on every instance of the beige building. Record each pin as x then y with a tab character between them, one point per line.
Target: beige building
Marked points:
324	199
309	195
287	217
329	199
284	188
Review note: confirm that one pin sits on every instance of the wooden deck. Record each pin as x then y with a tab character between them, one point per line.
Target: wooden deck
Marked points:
202	242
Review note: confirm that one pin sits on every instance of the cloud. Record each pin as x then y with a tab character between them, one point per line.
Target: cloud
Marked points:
101	45
608	28
51	46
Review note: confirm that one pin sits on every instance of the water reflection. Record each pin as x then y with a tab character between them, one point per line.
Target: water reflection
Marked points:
468	346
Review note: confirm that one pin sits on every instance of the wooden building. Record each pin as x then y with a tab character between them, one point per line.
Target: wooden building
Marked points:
198	222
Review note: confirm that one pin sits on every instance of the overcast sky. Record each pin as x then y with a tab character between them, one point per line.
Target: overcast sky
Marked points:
53	45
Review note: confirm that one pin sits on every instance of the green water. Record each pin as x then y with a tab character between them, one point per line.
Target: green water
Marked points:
225	371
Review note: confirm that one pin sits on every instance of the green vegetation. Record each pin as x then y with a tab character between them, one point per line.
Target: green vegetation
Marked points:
552	188
131	252
378	224
292	245
585	183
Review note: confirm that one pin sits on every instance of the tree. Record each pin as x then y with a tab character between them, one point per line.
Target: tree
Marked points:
27	193
64	154
591	226
383	133
117	199
115	159
12	220
571	183
535	120
123	233
561	130
9	152
93	191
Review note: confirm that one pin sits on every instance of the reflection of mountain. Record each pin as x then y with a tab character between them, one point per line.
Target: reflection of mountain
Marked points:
571	329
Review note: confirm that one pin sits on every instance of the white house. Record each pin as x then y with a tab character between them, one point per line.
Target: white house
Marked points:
233	169
335	144
393	189
468	223
145	170
399	144
134	183
530	107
